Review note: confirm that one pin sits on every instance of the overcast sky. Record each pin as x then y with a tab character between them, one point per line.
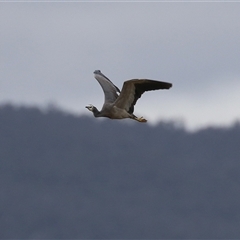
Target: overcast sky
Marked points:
49	51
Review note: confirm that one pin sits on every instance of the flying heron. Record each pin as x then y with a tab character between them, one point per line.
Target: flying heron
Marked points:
122	105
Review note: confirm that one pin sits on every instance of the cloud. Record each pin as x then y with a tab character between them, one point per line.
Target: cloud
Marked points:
49	51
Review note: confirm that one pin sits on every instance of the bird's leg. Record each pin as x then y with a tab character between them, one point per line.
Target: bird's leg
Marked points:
141	119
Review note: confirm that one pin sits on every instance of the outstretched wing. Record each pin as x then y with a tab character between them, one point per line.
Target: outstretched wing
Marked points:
109	89
133	89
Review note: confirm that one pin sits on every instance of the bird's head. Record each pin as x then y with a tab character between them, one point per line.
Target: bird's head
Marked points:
93	109
90	107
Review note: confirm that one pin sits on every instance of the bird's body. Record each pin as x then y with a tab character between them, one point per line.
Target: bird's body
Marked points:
122	105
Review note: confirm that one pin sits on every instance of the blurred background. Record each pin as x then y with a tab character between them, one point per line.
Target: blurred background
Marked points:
50	50
65	174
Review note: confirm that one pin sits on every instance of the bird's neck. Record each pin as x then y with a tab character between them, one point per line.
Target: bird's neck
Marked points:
96	113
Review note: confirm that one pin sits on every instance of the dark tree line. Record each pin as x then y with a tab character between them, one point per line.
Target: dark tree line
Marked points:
65	176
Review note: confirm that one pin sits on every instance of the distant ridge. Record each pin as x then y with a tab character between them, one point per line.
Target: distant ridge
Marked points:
65	176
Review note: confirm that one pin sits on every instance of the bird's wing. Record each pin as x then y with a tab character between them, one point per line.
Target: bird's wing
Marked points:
133	89
109	89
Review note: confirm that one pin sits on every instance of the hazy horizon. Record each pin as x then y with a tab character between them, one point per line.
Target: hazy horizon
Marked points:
50	50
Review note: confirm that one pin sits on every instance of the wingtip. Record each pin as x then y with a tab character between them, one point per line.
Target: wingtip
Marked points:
97	71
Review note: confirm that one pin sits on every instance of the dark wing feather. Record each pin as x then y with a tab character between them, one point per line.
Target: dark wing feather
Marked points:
133	89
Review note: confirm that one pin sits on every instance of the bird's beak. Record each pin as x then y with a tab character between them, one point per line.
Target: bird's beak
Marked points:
88	107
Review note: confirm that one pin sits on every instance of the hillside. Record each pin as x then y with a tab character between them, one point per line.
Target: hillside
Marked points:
64	176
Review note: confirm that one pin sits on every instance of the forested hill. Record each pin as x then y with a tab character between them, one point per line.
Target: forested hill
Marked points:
64	176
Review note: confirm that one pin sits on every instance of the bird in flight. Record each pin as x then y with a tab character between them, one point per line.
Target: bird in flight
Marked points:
119	106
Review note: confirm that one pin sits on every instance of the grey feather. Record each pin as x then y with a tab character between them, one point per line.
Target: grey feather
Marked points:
122	106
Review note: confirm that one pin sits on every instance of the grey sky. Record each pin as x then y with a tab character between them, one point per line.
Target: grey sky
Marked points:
50	50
